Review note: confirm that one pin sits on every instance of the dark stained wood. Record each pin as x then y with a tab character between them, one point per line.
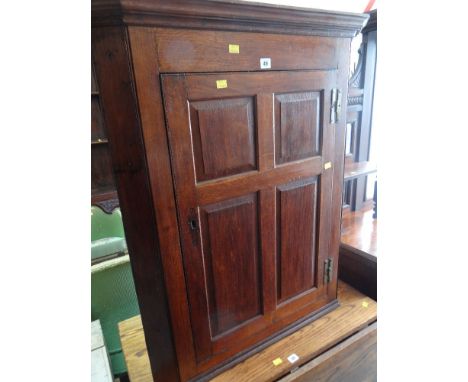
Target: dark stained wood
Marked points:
209	192
102	178
202	187
144	54
104	197
97	123
296	253
227	15
338	149
94	85
208	51
111	58
353	360
184	179
217	236
359	269
297	125
241	84
232	246
220	152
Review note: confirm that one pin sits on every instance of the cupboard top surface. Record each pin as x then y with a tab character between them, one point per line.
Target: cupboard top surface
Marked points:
227	15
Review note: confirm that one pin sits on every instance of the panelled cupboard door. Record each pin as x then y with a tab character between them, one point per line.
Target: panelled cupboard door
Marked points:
253	199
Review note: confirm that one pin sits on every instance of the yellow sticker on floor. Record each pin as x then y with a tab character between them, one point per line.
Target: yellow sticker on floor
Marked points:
221	84
365	304
234	48
277	361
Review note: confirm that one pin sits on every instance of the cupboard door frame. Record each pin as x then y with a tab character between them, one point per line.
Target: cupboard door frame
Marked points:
180	91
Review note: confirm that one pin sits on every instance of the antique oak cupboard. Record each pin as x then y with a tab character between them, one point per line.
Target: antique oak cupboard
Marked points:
226	131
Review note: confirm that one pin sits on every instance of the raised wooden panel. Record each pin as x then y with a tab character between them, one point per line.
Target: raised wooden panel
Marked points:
231	254
297	126
296	237
224	137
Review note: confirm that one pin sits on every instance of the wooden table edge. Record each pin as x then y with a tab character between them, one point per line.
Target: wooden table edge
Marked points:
347	320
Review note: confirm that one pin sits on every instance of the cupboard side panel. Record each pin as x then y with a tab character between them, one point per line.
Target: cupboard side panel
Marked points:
115	77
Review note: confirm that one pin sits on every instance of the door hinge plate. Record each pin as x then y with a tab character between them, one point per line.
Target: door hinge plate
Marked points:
328	270
335	110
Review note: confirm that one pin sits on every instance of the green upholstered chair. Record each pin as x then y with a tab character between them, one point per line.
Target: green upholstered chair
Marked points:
107	233
113	296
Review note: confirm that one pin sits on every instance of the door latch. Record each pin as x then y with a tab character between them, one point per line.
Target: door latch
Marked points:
335	110
328	270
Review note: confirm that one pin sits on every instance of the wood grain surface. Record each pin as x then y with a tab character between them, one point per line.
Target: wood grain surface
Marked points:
185	51
227	15
224	258
197	325
355	313
353	360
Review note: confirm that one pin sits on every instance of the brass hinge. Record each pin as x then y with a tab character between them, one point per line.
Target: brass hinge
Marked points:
328	270
335	110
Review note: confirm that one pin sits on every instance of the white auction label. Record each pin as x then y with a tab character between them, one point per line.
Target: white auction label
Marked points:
293	358
265	63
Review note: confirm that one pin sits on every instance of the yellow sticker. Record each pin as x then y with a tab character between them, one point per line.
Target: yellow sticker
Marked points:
365	304
277	361
234	48
327	165
221	84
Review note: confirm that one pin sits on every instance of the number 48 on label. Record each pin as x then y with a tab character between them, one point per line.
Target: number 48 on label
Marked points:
265	63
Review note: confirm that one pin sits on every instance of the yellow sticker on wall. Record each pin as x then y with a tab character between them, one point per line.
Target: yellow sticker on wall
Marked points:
277	361
234	48
221	84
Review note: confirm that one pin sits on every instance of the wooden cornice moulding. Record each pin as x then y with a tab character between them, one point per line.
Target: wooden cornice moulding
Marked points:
371	23
227	15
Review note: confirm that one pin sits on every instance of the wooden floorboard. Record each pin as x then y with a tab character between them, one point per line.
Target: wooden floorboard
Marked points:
356	312
353	360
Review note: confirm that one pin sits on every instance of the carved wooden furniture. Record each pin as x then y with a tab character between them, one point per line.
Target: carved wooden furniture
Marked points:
359	116
103	191
227	143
